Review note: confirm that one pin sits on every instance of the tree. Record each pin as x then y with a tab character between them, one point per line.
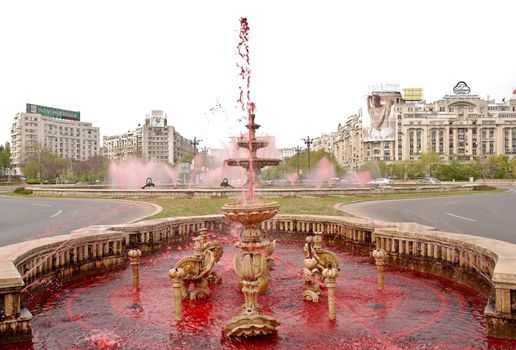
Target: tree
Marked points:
274	172
290	167
53	165
44	164
5	156
398	170
501	166
31	169
428	164
374	168
187	158
92	169
494	167
512	168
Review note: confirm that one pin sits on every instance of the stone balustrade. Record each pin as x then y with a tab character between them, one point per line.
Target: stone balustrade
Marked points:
484	264
487	265
356	230
369	190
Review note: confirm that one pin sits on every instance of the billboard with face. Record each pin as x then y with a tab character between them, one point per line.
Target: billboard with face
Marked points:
378	116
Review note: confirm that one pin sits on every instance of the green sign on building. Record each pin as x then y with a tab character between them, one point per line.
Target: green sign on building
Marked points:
54	112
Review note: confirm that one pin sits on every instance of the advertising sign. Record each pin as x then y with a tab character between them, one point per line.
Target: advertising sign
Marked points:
378	116
53	112
158	121
461	88
413	94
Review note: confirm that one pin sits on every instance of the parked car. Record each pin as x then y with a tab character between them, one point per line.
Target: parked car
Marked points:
428	180
381	181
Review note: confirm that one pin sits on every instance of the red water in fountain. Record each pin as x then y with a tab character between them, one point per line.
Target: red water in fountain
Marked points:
415	311
245	94
251	177
244	66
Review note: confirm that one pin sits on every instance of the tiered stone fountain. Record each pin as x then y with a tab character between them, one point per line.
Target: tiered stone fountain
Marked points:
253	164
254	263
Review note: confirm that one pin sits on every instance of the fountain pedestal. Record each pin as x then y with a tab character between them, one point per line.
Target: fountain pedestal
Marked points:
252	266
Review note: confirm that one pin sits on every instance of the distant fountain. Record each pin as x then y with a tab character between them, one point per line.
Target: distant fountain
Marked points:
134	173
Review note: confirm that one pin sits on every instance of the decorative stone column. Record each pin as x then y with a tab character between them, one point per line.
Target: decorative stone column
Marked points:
500	312
177	275
15	321
134	256
379	256
330	276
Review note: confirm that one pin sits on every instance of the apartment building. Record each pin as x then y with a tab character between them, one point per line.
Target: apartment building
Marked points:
56	130
155	140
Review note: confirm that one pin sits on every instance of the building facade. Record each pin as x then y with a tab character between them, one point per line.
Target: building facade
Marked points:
56	130
155	140
405	126
285	153
324	142
465	126
347	143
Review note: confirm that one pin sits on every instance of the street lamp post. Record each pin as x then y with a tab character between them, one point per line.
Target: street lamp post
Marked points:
308	142
195	143
297	149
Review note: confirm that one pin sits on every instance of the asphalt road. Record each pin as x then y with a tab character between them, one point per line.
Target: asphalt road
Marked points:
486	215
25	218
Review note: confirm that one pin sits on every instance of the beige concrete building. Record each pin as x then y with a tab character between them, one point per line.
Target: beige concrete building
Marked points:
124	146
347	143
59	131
324	142
466	126
285	153
155	140
459	124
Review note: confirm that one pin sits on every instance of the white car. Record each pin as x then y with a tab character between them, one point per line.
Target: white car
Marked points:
428	180
381	181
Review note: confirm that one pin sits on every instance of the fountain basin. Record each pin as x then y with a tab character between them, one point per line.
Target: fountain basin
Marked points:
257	163
414	311
256	144
250	215
477	262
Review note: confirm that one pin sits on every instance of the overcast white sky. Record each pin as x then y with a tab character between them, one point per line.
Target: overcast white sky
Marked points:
312	62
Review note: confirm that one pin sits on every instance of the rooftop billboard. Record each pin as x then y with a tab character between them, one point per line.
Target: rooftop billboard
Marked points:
378	116
53	112
413	94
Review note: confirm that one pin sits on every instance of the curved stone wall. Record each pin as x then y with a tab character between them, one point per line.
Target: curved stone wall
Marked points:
223	192
484	264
